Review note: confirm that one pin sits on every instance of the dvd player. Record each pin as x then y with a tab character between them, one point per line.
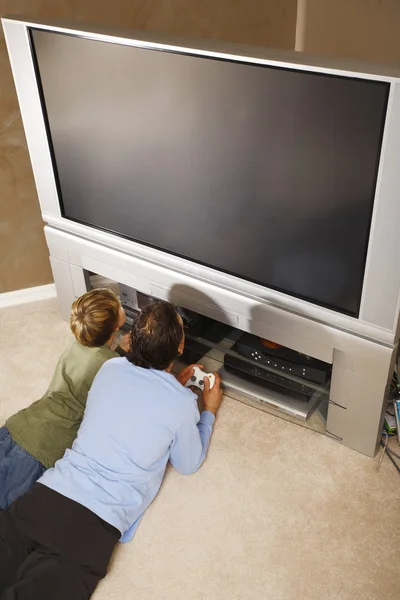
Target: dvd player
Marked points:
267	379
282	359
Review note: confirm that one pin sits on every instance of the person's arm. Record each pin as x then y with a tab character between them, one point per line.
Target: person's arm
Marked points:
120	351
190	445
189	448
123	345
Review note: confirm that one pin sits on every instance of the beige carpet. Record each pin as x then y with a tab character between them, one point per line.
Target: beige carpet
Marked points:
277	511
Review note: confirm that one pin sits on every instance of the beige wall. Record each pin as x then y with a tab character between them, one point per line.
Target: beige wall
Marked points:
23	252
362	29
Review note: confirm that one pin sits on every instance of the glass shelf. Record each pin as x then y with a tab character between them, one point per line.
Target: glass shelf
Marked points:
261	385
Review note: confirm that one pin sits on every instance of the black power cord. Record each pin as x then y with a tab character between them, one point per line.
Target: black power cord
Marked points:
391	455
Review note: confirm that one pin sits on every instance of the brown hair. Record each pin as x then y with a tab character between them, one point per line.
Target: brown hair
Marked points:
155	336
94	317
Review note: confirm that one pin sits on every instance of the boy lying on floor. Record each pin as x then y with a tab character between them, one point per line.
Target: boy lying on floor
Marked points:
35	438
57	540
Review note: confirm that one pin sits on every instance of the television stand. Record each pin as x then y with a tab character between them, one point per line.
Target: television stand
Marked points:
361	368
219	348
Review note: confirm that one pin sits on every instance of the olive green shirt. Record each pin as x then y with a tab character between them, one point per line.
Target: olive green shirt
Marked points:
49	426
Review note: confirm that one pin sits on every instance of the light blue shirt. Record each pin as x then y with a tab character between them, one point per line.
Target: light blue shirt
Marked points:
135	421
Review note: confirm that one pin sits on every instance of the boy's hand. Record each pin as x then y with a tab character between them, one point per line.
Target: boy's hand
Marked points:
125	342
187	373
212	398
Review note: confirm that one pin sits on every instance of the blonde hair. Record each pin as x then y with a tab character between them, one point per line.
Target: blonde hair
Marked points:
94	317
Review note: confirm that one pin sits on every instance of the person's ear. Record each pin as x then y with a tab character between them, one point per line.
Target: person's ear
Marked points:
181	346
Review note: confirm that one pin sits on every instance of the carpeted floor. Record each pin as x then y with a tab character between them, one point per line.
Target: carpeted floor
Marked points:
276	512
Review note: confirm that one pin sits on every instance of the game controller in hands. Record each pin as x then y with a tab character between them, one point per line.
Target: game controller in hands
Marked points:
197	379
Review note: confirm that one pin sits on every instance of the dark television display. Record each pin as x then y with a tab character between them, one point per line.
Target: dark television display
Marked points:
262	172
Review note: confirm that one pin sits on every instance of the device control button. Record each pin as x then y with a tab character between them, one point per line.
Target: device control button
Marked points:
193	378
201	382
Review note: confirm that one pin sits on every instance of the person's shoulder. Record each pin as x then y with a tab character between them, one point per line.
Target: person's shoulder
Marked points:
116	362
91	352
110	373
175	388
114	365
87	357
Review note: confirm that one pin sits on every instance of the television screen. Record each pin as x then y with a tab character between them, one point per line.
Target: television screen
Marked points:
262	172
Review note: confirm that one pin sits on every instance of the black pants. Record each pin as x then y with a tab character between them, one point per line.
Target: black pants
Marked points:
52	548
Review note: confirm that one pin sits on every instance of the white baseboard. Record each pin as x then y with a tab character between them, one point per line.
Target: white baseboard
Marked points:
33	294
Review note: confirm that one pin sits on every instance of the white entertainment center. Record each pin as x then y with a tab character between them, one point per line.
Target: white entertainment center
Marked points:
362	368
362	350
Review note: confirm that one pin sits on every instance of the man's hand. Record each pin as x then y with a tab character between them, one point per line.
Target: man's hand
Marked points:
187	373
125	342
212	398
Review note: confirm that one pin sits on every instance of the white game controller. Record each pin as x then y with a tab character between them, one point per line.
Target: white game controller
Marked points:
197	379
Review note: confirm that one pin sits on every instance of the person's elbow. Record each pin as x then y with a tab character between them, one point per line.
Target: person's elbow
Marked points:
188	468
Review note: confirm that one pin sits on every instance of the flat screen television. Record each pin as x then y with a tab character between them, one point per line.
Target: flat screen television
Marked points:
262	168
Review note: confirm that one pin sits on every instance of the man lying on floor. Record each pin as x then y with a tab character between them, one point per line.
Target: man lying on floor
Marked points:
56	540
